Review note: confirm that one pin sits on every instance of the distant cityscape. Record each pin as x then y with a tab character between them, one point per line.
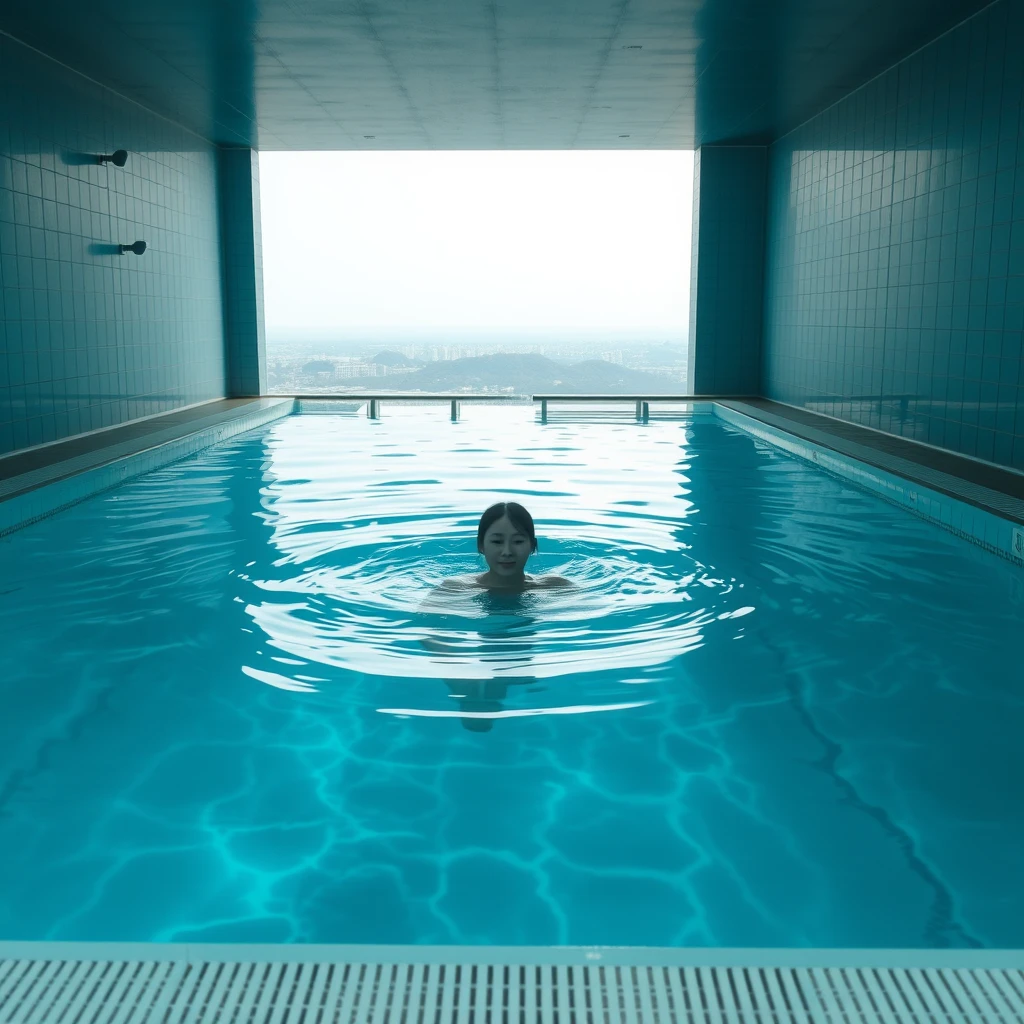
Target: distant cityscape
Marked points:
504	364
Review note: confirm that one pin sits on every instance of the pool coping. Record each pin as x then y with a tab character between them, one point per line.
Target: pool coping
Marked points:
637	956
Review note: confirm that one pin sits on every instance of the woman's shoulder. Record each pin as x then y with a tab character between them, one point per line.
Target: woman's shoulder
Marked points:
552	581
459	583
439	594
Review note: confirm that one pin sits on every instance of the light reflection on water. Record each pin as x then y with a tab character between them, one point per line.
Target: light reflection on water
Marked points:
773	710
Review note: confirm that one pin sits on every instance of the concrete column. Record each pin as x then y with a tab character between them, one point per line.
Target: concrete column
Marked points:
727	269
238	192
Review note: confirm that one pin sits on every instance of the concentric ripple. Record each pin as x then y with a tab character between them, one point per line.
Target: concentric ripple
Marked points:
370	619
771	711
357	588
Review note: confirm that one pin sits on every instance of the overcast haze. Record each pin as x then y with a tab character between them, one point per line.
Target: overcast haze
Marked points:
478	239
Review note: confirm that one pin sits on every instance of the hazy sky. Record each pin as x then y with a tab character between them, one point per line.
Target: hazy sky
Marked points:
476	239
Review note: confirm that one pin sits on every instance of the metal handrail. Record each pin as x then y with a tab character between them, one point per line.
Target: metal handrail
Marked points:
643	410
642	402
373	400
409	396
613	398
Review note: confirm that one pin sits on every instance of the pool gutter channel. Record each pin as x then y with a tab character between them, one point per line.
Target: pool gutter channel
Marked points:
155	983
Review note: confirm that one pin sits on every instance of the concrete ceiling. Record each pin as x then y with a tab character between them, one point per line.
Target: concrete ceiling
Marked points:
477	74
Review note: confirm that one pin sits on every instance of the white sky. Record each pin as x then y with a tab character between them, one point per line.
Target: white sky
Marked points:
476	239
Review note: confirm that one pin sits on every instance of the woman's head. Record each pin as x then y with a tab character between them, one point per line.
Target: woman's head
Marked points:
506	538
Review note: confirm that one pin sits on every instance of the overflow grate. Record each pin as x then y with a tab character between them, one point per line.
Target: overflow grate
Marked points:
69	991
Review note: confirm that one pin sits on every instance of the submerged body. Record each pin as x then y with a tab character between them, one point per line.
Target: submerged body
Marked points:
486	581
506	538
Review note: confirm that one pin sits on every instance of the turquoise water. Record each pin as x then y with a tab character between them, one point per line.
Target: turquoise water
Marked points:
775	712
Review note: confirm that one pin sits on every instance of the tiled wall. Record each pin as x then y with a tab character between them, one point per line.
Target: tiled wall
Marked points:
895	264
727	276
91	338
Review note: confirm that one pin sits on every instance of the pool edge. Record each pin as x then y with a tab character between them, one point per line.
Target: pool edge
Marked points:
1000	536
639	956
547	985
75	485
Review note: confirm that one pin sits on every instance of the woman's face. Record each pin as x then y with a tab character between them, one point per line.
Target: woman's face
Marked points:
505	548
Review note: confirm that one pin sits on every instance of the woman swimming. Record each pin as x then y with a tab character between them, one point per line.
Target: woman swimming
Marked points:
503	651
506	538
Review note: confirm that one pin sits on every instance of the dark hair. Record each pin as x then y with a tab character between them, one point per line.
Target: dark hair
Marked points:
521	520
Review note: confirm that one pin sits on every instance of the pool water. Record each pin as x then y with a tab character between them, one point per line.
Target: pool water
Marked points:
774	711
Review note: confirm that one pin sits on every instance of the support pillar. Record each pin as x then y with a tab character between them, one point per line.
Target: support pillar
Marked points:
730	187
238	187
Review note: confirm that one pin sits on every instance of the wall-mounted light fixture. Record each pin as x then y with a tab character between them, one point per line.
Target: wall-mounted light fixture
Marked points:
119	157
136	247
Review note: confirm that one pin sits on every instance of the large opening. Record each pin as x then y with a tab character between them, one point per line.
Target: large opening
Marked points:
505	273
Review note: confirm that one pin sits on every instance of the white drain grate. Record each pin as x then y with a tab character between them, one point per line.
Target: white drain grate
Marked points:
167	992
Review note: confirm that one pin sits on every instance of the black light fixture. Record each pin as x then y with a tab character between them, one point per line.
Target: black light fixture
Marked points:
136	247
119	157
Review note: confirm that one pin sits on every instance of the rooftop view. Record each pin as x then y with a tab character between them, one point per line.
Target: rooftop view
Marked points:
484	273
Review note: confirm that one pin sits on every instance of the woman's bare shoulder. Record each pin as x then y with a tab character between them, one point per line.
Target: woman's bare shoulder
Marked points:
459	583
454	585
445	593
554	581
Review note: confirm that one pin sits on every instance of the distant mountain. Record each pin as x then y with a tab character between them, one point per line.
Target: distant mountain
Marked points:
389	358
527	373
318	366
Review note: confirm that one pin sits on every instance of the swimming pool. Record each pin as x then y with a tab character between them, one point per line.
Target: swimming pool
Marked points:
778	711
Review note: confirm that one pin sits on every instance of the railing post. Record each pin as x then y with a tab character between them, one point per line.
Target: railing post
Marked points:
543	410
646	411
373	409
455	410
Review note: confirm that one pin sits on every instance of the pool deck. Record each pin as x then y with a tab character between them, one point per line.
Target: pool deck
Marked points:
133	983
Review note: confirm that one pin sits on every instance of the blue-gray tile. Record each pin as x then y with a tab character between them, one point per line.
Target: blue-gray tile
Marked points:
921	170
69	306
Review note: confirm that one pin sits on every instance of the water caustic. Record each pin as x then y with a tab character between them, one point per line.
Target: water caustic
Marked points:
772	711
